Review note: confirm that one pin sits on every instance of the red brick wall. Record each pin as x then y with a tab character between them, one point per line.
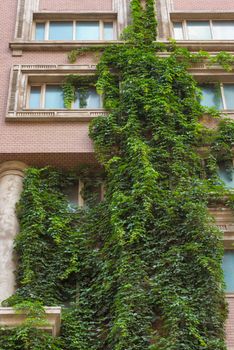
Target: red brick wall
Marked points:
208	5
230	324
75	5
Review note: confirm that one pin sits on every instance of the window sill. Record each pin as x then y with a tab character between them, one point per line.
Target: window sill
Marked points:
206	45
18	46
78	115
9	318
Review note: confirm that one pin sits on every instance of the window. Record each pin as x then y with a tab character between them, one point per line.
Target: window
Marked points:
204	30
220	96
226	174
228	268
48	96
84	194
75	30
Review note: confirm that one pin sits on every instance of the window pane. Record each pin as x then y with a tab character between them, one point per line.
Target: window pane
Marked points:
54	97
178	31
229	95
228	268
71	192
35	97
211	96
87	31
40	31
223	30
92	99
199	30
61	31
108	31
226	175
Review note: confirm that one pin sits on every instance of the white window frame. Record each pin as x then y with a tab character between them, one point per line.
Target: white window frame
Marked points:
43	95
184	25
101	28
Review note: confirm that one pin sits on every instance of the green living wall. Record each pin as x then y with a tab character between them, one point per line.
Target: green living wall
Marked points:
142	269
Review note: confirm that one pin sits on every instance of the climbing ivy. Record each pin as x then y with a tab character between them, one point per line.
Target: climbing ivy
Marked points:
141	269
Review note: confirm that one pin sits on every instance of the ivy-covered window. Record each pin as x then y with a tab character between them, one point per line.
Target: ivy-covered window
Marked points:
228	268
87	98
75	30
204	30
220	96
226	174
50	96
84	194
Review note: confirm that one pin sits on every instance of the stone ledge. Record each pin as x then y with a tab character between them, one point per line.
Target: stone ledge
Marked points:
60	115
46	45
214	46
9	318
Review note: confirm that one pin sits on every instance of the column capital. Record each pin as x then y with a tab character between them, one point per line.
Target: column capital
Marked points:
12	168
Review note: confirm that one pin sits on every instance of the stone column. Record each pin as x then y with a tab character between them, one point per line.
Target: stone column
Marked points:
11	183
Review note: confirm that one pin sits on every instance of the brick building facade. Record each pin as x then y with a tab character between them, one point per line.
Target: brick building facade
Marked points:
38	135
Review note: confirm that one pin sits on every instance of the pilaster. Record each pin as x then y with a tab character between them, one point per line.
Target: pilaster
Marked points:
11	183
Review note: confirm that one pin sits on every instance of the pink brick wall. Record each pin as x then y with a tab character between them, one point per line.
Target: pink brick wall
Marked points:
207	5
29	137
75	5
230	324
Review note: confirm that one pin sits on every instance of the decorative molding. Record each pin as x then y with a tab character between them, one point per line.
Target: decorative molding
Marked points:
122	7
12	168
10	318
53	68
48	116
163	16
24	18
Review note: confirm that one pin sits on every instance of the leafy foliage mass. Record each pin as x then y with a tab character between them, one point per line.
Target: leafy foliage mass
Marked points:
142	269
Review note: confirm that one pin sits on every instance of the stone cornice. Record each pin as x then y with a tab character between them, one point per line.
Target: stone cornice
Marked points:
213	46
18	46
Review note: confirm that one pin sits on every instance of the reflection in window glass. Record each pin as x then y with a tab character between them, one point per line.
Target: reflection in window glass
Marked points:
35	97
108	31
229	95
199	30
61	31
40	31
211	96
223	30
226	175
87	31
71	192
92	99
178	31
54	97
228	268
